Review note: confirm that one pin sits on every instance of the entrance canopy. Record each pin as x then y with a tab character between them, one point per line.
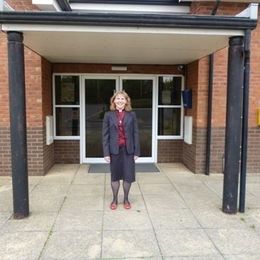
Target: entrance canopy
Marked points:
124	38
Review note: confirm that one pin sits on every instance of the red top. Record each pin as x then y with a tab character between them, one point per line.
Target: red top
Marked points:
121	134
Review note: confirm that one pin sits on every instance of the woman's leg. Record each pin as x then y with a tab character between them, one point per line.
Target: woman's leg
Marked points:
126	187
115	188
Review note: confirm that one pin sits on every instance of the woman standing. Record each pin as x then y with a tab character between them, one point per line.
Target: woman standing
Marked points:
121	145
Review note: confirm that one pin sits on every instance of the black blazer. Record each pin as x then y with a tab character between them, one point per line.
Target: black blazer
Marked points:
110	134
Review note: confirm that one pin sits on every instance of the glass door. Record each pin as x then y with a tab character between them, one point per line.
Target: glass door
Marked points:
141	92
97	92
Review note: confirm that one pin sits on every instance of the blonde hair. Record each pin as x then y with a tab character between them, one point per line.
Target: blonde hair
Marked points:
128	106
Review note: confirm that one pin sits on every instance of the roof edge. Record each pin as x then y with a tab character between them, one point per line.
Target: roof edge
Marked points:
129	19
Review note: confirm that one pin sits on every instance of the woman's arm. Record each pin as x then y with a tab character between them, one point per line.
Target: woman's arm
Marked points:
136	138
105	137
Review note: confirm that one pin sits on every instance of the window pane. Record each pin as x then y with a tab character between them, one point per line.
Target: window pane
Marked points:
170	90
169	120
67	90
97	101
141	94
67	121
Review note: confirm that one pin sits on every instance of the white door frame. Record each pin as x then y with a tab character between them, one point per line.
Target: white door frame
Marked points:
119	80
153	141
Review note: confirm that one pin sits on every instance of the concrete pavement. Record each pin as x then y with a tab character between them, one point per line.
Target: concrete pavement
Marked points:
175	215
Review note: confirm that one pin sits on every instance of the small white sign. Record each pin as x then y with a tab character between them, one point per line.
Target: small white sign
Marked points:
188	129
49	130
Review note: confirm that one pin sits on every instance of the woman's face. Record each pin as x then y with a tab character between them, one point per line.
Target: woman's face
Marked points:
120	102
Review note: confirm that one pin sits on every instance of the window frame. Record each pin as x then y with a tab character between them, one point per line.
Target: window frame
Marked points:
65	137
170	137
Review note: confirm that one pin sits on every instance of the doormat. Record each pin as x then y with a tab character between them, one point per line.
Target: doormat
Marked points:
105	168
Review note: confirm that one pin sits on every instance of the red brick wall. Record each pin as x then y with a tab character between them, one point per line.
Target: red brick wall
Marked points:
5	153
22	5
169	151
66	151
38	103
254	102
48	150
223	9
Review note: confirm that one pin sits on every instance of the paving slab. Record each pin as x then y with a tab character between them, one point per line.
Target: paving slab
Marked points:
86	189
173	219
81	220
242	257
208	257
46	203
73	245
175	215
22	245
4	216
156	178
128	244
89	178
126	220
91	202
215	218
164	201
156	188
6	202
185	242
235	241
37	221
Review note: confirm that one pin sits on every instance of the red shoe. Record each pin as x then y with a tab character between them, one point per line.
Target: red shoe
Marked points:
113	206
127	205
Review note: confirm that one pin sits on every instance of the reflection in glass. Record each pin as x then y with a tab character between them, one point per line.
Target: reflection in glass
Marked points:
140	92
169	121
170	90
67	90
67	121
97	98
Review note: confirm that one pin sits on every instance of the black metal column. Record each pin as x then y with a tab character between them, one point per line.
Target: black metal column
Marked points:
233	124
242	194
18	124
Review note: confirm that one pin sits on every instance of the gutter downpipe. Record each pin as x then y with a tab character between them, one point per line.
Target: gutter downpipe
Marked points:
210	96
243	165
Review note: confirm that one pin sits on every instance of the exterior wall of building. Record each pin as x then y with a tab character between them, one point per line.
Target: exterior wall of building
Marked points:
68	151
38	85
254	102
48	150
169	151
190	154
5	153
22	5
39	104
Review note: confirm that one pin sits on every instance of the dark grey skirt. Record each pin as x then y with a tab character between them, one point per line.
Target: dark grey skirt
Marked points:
122	166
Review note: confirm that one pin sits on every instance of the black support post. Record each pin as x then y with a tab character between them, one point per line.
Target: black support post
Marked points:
242	195
233	124
18	124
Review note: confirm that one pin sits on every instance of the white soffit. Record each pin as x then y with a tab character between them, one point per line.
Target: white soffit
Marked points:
122	45
130	8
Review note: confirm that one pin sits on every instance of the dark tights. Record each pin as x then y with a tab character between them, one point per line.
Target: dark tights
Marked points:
115	188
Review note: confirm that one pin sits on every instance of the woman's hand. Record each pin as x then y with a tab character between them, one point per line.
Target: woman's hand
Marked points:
136	157
107	159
